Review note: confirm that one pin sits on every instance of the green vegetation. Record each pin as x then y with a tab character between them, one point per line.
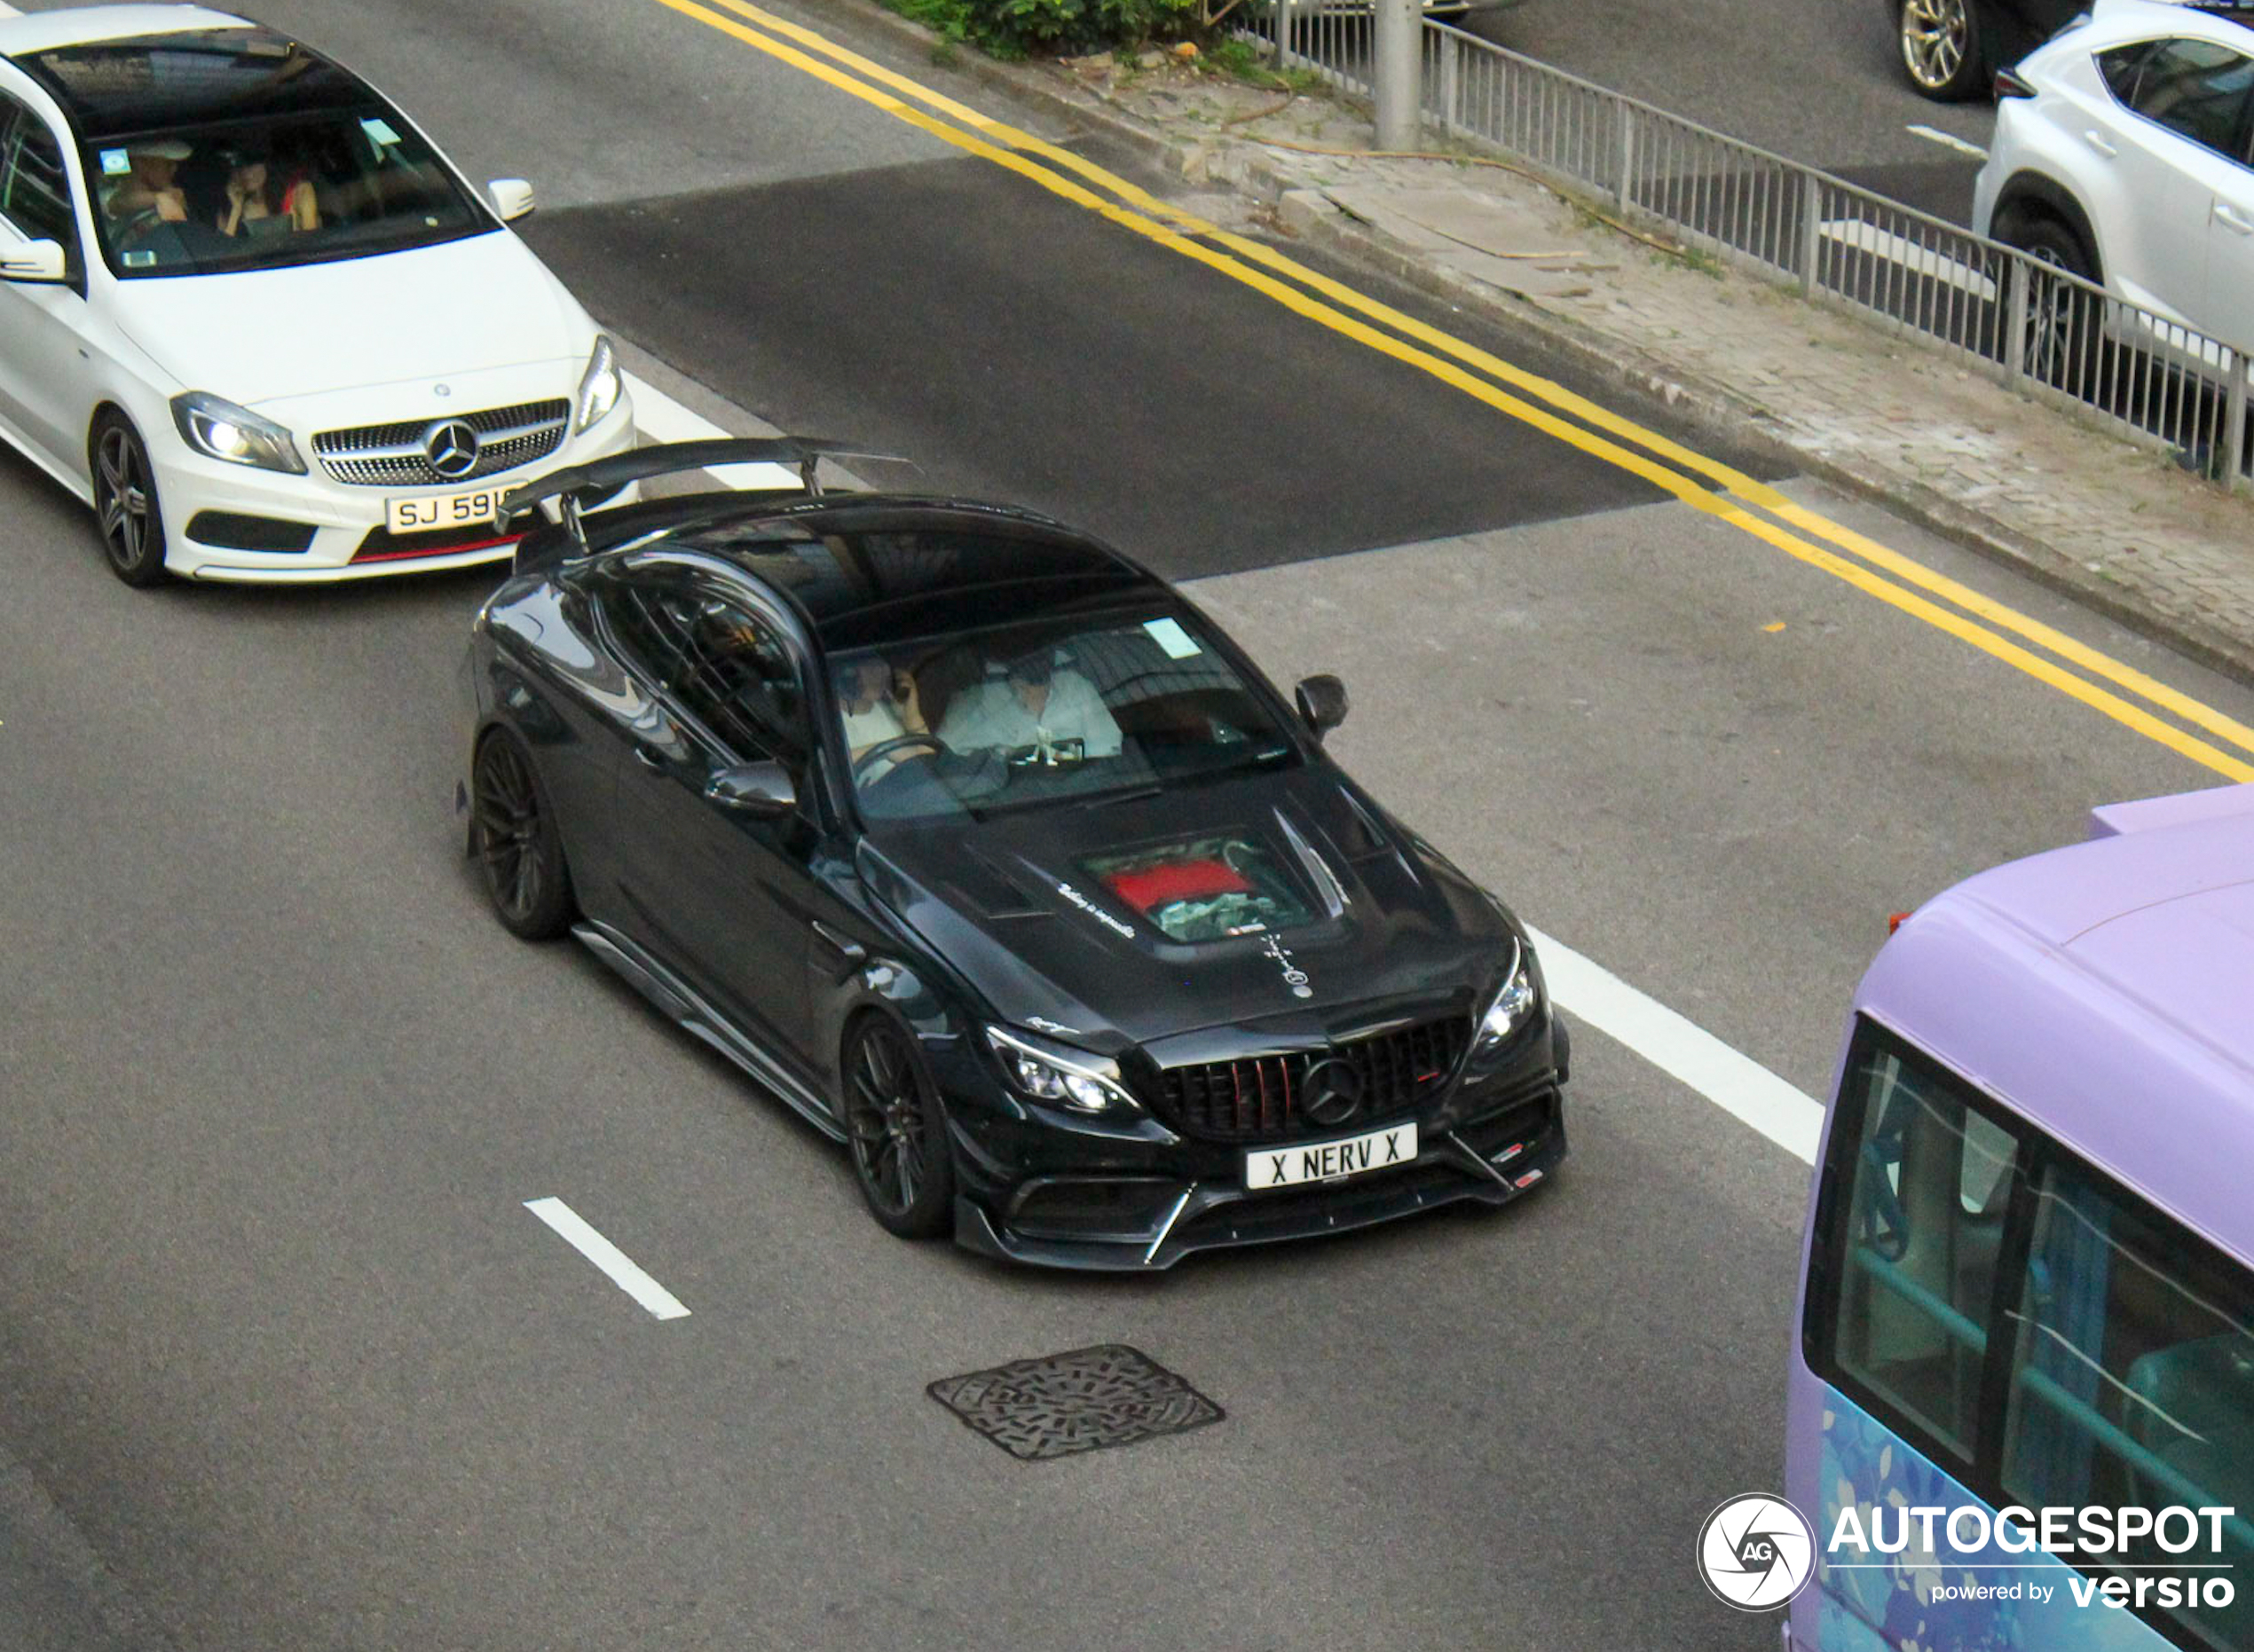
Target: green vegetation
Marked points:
1240	59
1019	28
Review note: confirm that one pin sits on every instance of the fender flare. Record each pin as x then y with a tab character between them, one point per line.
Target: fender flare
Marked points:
2053	199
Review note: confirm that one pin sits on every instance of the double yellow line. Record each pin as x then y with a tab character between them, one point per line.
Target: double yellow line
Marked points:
2119	691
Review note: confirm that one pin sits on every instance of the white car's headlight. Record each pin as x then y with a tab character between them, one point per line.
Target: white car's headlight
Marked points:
1512	1007
1075	1080
599	387
218	429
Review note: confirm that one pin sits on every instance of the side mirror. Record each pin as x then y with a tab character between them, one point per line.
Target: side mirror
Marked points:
510	198
40	262
1322	703
762	791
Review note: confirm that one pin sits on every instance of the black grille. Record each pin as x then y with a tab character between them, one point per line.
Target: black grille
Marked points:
1258	1100
391	455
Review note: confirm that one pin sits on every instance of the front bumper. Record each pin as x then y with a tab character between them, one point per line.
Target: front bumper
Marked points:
1120	1205
343	524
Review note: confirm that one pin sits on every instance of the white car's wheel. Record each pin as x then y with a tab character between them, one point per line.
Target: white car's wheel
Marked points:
1941	48
125	506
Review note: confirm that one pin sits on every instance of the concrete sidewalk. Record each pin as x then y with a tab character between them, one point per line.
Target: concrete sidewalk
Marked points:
2120	527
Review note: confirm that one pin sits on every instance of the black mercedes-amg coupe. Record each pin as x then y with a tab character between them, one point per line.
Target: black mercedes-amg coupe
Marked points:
986	851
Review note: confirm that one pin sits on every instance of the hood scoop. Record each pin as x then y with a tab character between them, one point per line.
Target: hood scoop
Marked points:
997	892
1328	885
1360	838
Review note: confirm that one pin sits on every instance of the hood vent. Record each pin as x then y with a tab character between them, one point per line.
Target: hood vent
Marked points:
999	893
1361	838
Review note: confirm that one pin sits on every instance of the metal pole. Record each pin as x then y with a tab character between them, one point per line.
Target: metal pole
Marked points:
2015	273
2234	466
1451	81
1811	230
1624	187
1396	71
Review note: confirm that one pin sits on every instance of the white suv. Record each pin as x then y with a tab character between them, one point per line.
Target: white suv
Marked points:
2125	153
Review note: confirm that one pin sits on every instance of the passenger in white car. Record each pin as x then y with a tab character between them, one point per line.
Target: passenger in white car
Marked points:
253	206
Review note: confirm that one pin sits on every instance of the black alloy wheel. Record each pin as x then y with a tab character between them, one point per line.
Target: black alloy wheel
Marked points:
125	502
513	835
896	1131
1942	48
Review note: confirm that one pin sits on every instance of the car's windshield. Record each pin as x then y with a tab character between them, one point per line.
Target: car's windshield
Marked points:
1034	714
236	150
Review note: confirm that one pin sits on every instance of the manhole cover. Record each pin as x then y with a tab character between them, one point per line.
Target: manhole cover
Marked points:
1082	1401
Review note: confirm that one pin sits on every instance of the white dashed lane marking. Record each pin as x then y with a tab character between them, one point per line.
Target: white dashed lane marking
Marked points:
1949	140
622	1268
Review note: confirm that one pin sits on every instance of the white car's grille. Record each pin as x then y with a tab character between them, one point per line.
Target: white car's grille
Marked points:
396	455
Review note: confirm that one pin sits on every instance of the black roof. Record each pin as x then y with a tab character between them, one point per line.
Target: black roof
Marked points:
869	568
149	83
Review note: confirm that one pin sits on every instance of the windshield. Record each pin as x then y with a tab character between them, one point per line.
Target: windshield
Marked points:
1034	714
236	149
257	195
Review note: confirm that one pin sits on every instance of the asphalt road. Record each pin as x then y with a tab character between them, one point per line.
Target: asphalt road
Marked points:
1817	81
281	1346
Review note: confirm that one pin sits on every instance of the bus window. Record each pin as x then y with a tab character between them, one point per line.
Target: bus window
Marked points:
1926	1193
2133	1380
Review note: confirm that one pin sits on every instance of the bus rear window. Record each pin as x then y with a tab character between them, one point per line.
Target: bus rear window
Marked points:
2133	1380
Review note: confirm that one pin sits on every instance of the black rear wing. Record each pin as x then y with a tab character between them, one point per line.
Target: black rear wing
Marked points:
583	487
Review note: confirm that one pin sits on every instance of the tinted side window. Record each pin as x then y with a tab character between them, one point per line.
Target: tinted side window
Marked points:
1923	1184
2132	1382
34	190
2197	89
725	665
2119	68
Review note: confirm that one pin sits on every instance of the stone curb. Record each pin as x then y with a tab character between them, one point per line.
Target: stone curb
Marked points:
1238	164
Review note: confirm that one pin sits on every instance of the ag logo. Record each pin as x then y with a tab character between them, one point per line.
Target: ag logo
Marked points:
1756	1551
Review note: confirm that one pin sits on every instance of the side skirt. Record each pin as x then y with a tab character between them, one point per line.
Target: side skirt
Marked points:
688	1009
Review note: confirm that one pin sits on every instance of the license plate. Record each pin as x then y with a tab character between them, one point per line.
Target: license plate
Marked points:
1329	1161
455	510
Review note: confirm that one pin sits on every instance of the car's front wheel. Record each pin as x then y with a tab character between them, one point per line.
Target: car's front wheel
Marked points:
1942	49
125	504
2064	330
896	1131
513	834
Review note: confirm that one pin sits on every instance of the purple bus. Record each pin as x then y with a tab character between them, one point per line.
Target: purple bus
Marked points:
2021	1411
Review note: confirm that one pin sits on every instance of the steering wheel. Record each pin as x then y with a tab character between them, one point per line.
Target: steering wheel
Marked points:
884	749
137	225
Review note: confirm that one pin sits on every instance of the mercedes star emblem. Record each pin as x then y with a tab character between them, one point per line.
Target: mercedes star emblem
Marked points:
1332	1091
451	447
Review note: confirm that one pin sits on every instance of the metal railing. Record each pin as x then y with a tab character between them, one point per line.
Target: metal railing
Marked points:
2026	321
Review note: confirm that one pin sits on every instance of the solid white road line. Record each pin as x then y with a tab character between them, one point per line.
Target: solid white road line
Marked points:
1741	1086
607	1256
1866	237
1950	140
660	417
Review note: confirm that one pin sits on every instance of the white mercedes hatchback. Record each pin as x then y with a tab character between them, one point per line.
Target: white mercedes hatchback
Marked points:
257	319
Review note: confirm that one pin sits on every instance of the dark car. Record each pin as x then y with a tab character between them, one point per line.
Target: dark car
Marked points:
1951	48
995	858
